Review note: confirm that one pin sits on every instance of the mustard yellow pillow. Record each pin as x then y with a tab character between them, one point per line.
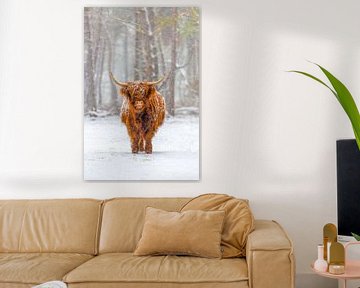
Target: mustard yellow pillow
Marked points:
238	223
193	232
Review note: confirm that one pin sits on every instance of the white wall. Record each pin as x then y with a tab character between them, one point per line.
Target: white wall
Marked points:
266	135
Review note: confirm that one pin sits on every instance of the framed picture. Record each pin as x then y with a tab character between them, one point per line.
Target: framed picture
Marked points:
141	93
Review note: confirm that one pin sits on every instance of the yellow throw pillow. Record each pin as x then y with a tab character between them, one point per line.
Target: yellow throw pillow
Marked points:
239	220
193	232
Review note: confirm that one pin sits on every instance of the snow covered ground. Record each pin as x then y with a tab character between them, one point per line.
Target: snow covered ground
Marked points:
107	153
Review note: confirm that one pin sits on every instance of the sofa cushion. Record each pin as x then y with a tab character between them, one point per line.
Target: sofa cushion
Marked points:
126	268
36	268
239	220
123	220
63	226
193	232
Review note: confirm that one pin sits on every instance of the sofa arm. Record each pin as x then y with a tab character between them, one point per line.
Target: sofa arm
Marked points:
269	256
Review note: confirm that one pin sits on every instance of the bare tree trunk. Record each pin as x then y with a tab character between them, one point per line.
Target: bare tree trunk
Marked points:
89	67
162	66
95	45
195	71
171	97
151	52
114	94
98	36
109	46
126	54
159	46
100	69
114	103
138	44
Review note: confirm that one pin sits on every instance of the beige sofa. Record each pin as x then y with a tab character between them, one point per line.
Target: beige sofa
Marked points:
89	243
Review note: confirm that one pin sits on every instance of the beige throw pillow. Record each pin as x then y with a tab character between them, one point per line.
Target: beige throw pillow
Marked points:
193	232
239	220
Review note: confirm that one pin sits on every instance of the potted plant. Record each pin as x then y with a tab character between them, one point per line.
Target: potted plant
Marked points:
347	102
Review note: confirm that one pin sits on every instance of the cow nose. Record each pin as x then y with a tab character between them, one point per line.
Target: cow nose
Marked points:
139	104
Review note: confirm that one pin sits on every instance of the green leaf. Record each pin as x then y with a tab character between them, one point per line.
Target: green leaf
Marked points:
316	79
344	97
357	237
347	102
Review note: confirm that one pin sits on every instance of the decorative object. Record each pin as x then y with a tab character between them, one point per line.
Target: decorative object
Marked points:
329	237
194	232
320	264
351	268
239	220
337	258
334	251
141	93
336	269
344	97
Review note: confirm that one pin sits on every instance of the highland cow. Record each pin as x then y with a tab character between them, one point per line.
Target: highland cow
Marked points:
142	112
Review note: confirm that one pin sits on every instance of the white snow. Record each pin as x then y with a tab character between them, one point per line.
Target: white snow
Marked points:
107	152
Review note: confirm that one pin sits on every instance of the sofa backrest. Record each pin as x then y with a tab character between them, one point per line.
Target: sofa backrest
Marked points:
123	220
68	226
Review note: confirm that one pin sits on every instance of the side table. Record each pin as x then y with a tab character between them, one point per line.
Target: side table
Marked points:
352	269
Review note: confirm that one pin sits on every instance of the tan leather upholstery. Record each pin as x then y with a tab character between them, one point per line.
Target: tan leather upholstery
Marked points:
126	268
15	285
73	225
49	225
123	218
36	268
269	256
242	284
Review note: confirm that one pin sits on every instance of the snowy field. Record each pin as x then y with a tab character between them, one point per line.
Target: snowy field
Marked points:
107	152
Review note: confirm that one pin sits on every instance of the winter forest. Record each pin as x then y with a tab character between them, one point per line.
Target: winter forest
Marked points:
141	43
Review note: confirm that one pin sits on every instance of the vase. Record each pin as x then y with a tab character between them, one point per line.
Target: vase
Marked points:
320	264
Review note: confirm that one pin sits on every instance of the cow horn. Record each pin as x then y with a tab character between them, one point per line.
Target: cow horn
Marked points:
155	82
123	84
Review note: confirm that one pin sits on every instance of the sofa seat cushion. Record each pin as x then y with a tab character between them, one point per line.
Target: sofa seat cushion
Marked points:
36	268
125	267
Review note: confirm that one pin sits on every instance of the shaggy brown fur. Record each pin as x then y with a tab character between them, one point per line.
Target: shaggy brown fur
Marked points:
142	111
